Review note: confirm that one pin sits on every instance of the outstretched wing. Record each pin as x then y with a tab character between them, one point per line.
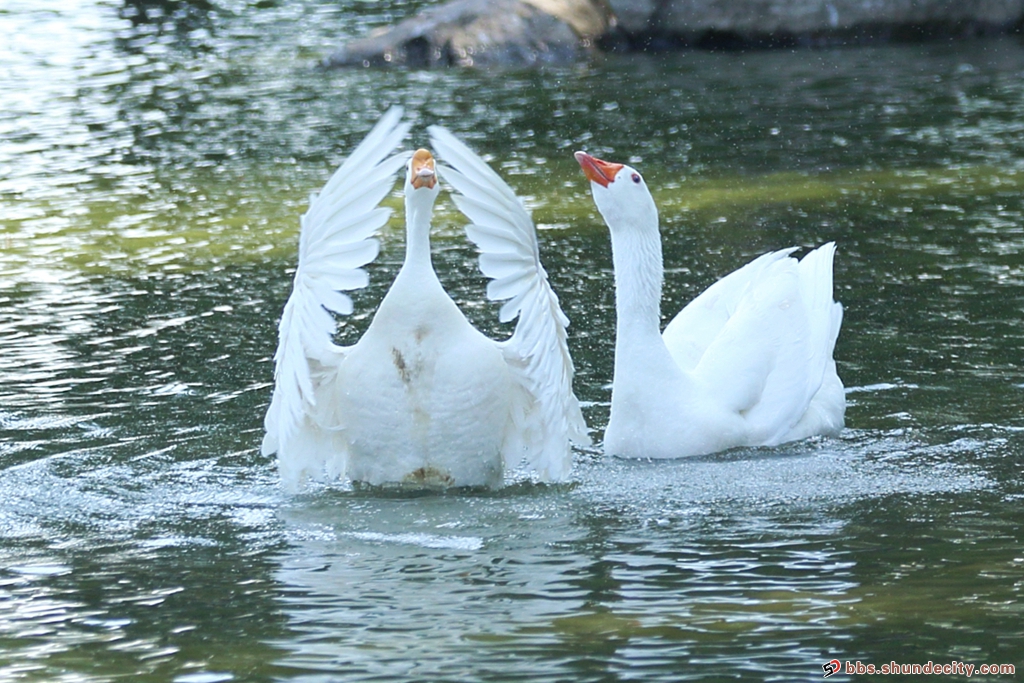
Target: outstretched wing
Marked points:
537	352
336	240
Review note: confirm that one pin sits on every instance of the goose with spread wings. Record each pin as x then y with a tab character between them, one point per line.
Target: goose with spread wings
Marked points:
423	399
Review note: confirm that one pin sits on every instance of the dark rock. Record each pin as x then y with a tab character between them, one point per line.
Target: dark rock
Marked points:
635	17
728	24
482	33
533	32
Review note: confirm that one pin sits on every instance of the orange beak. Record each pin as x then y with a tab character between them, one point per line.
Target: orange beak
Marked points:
600	172
423	174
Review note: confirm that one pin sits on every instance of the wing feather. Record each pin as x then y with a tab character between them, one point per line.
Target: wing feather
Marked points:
343	264
537	352
335	240
356	232
496	241
507	287
693	329
503	264
765	335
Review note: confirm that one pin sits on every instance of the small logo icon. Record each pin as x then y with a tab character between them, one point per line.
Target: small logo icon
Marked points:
831	667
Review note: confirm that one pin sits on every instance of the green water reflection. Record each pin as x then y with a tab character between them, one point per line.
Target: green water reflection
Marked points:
154	158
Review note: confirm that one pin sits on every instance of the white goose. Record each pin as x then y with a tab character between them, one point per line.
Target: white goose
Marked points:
746	363
423	398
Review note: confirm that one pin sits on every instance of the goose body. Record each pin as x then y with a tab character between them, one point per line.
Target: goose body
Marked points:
424	387
423	398
747	363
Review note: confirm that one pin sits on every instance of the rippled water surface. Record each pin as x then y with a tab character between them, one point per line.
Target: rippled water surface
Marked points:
154	160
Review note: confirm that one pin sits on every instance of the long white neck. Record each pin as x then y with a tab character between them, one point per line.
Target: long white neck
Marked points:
419	205
416	296
636	254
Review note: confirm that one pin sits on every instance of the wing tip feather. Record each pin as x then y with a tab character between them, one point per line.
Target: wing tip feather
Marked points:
306	326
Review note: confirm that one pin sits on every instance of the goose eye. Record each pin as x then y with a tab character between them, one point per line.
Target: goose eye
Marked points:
636	178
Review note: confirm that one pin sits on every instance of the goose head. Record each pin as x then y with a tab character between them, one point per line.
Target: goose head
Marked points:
421	175
620	193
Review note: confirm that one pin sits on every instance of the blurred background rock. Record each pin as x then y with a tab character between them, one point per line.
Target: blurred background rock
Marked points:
531	32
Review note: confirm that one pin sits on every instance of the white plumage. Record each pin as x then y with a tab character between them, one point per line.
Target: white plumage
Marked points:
747	363
423	398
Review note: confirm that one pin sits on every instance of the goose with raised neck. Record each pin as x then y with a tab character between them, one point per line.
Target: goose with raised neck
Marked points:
747	363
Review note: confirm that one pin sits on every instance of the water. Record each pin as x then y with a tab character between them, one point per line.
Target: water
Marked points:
153	164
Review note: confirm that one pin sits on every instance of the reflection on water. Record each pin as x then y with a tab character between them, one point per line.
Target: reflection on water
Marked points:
154	158
640	565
